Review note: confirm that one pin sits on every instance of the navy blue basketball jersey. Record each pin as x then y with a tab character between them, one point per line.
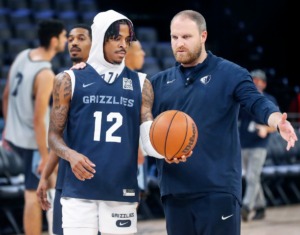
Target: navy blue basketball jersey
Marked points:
211	95
103	124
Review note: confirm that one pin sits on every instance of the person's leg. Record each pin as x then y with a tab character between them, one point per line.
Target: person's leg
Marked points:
117	217
215	213
245	211
260	199
80	231
223	214
79	217
49	213
32	217
255	164
244	161
260	207
260	202
178	214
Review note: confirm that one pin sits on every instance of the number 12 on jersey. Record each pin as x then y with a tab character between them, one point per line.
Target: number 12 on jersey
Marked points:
114	120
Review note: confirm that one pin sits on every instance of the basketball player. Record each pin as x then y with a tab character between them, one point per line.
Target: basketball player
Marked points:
26	110
79	44
100	108
203	195
135	56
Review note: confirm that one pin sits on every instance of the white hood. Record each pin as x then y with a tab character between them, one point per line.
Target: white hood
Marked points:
101	23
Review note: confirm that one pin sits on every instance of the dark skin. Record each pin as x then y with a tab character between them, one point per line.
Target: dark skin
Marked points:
79	44
81	166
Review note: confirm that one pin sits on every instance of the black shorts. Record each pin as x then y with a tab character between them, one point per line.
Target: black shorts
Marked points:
30	160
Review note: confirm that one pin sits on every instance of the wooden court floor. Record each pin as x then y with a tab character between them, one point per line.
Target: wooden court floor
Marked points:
284	220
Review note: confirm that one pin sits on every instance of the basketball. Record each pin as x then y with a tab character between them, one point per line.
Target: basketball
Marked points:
173	133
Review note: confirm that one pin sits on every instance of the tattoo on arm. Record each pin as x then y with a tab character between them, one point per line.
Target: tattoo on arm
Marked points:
62	90
147	101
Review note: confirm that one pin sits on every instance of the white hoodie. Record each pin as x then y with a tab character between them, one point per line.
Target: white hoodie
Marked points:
96	59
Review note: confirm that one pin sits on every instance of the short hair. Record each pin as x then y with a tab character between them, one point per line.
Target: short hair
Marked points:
194	16
258	73
83	26
114	29
47	29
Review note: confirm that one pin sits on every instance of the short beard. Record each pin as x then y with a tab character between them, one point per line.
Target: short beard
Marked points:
190	58
76	60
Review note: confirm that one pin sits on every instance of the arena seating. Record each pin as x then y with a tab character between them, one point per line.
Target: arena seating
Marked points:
18	18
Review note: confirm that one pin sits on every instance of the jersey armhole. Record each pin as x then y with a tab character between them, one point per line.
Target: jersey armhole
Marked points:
142	77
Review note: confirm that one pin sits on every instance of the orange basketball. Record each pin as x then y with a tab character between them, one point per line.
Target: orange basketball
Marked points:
173	133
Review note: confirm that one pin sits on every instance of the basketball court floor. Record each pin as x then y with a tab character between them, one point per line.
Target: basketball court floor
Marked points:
284	220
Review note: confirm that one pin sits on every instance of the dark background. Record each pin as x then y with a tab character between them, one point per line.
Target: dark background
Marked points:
252	33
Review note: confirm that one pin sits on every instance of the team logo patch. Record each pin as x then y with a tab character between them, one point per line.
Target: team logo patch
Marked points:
128	192
127	84
123	223
204	80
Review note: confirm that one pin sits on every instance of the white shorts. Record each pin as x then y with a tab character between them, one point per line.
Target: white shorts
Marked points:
106	216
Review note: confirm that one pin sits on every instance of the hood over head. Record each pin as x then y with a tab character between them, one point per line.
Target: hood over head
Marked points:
96	59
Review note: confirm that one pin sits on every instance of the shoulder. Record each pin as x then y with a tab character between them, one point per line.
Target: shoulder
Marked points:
231	71
46	75
62	83
63	76
165	74
87	69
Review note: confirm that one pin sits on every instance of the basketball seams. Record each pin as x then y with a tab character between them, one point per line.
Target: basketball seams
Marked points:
186	131
173	133
153	128
167	134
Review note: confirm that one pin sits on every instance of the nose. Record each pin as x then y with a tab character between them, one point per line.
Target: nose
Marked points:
123	43
179	43
75	42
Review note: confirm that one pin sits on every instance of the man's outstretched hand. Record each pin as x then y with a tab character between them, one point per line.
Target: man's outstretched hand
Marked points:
287	131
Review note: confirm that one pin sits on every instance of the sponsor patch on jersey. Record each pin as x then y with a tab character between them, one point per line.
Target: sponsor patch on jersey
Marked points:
128	192
204	80
127	84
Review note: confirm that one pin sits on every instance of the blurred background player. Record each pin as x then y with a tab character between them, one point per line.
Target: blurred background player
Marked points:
26	100
79	45
134	60
254	137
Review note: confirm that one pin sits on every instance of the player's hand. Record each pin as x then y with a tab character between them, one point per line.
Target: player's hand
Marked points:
82	167
78	66
287	132
41	193
183	158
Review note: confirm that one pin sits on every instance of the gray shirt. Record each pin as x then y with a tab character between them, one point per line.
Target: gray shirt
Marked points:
19	127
